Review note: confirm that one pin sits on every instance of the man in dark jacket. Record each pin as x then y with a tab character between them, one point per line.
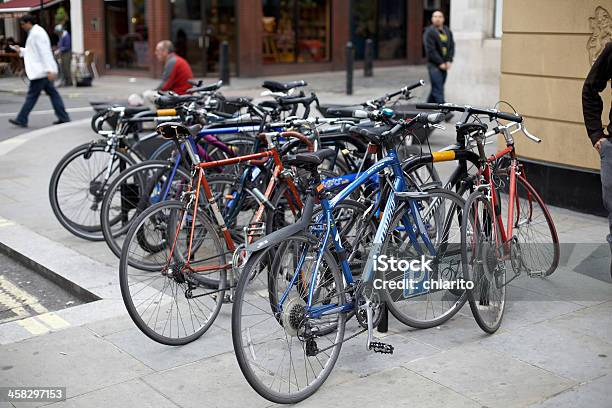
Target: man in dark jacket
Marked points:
440	50
592	108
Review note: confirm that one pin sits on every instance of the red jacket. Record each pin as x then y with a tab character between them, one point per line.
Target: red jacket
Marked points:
176	73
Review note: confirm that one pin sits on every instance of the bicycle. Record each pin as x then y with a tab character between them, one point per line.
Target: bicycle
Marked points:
176	244
292	292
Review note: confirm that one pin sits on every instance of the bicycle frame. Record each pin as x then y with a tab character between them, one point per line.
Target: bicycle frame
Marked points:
202	182
392	161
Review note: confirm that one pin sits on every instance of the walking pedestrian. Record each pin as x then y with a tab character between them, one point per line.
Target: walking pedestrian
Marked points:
41	69
592	108
64	48
440	50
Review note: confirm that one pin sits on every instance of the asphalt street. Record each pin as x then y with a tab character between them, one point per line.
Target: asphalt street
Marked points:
42	115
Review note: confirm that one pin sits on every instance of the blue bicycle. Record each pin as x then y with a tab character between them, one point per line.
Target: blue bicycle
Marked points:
297	290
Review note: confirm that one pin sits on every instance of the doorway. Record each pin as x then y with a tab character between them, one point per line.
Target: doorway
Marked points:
197	29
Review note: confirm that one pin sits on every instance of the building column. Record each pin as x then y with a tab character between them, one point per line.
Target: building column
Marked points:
340	32
76	25
249	37
414	31
93	38
158	21
475	74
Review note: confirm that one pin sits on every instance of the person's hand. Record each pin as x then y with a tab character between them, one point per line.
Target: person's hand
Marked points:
597	144
15	48
448	65
442	66
50	76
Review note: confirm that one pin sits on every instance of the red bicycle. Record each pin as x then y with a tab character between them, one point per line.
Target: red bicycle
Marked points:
528	241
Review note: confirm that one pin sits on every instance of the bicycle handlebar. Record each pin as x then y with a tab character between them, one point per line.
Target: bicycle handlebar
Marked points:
471	110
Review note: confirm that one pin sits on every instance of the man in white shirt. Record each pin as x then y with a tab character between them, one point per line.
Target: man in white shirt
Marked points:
41	69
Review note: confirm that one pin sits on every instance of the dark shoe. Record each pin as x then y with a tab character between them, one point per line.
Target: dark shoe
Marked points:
17	123
59	122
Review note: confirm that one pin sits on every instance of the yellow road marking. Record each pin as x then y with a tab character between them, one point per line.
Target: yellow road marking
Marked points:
21	296
33	326
53	321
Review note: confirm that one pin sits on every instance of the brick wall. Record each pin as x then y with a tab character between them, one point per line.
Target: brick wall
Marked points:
93	30
158	18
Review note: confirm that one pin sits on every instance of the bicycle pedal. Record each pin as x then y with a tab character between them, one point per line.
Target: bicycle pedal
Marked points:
538	274
380	347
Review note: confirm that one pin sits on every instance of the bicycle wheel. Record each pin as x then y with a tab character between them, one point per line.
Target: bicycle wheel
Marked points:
78	185
284	354
482	256
132	191
536	245
169	303
424	307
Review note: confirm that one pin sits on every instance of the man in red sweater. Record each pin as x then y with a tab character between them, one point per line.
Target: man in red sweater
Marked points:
176	69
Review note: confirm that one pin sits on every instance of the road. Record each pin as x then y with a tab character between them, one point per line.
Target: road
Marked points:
25	293
42	115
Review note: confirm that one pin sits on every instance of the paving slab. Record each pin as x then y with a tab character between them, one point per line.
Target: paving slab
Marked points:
570	354
492	378
396	387
129	394
594	394
215	382
160	357
74	358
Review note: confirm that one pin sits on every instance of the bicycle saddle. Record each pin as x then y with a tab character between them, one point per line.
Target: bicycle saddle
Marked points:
173	130
467	128
371	134
275	86
309	159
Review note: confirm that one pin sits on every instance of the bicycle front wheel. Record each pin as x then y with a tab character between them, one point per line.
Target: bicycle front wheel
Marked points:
170	303
483	260
284	349
427	298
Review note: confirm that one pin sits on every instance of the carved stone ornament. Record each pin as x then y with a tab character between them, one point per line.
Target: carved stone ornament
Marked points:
601	25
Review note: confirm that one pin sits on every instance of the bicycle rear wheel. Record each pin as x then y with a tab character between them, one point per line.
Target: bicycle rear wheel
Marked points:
169	303
78	185
284	354
536	242
482	255
422	307
132	191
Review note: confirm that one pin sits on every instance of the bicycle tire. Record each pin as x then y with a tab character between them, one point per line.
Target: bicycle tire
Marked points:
91	232
249	277
486	258
128	297
456	300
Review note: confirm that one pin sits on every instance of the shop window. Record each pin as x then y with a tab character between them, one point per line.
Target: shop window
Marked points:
296	30
197	29
383	21
127	40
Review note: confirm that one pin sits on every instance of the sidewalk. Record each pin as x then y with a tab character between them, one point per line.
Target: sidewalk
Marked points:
554	348
330	86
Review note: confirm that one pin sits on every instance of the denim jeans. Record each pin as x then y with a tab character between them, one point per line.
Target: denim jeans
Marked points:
437	78
605	152
36	87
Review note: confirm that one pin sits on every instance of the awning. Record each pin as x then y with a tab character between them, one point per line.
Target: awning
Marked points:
20	7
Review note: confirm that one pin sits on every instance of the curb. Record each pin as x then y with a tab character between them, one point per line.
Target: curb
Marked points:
82	293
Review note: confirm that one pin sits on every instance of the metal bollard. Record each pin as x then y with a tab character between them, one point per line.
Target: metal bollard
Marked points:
368	61
224	66
350	59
